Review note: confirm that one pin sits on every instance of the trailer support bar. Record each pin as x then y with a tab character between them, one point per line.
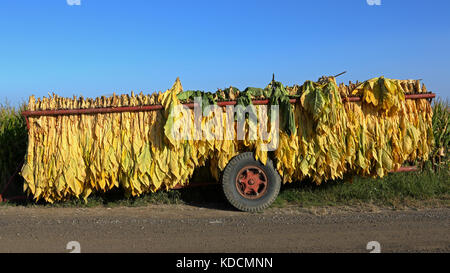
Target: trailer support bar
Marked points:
106	110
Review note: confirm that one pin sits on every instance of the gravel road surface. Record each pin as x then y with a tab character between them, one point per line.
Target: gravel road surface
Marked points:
184	228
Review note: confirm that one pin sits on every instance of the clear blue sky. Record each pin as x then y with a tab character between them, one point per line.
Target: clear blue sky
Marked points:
105	46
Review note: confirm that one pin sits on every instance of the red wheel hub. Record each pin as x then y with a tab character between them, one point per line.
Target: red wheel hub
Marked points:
251	182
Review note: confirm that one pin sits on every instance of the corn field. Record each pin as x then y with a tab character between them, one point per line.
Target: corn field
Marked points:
441	132
13	145
321	138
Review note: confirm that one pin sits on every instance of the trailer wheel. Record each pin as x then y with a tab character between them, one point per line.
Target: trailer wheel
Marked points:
248	184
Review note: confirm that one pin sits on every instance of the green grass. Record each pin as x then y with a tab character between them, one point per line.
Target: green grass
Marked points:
200	196
116	198
392	190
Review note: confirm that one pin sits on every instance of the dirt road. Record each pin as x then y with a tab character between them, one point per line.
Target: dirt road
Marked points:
183	228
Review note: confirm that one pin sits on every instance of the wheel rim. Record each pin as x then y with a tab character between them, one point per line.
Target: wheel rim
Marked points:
251	182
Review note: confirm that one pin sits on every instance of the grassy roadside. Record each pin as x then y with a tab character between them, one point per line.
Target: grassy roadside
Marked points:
394	190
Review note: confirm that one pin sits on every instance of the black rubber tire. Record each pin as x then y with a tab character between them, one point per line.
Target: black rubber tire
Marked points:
231	192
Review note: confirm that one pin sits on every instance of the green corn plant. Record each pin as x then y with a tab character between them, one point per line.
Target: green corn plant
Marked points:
441	117
13	145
